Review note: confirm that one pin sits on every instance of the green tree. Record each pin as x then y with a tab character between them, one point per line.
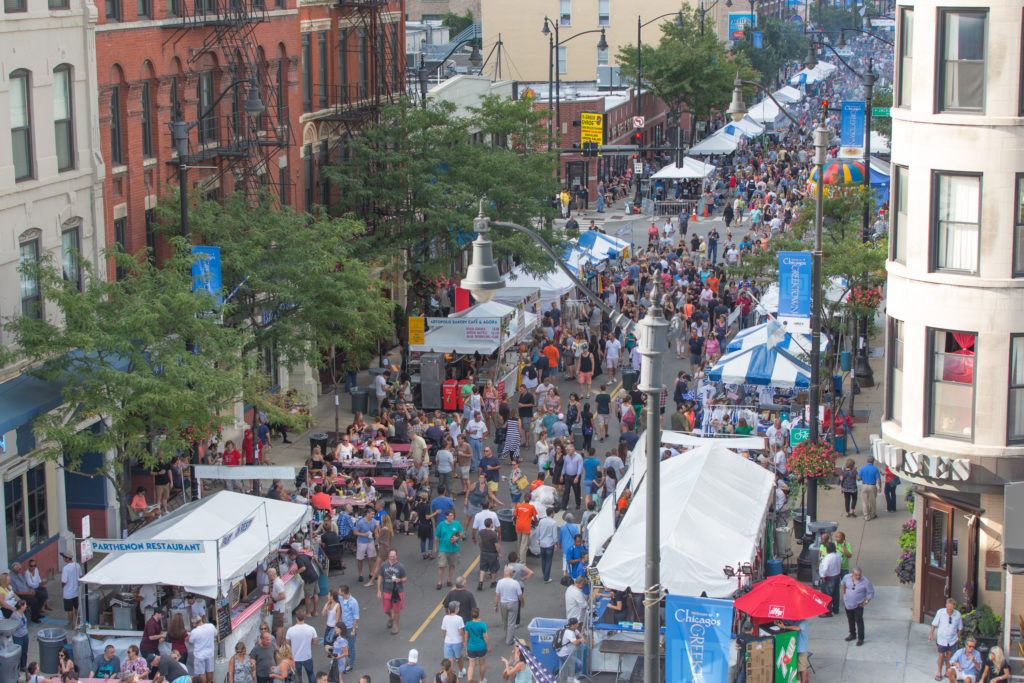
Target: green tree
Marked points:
829	19
687	71
298	283
883	124
782	43
457	23
144	355
417	176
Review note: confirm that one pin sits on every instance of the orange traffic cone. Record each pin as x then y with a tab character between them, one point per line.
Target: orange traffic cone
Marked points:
694	216
705	211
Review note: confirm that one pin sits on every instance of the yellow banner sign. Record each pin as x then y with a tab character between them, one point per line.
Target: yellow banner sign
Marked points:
592	128
417	329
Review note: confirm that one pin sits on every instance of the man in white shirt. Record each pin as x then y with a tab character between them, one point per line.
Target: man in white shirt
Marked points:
829	569
480	518
453	627
571	638
300	638
508	599
612	349
344	449
575	599
776	435
780	461
476	429
203	639
69	577
454	429
946	628
278	595
380	388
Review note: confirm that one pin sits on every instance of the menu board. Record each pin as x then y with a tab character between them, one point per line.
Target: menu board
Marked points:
223	618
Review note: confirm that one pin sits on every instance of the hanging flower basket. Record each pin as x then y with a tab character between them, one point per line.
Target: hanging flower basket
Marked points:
810	459
864	300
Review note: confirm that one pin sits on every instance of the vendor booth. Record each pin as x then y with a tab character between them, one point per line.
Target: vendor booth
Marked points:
747	127
716	144
772	333
767	113
552	285
788	95
691	168
762	365
217	548
605	246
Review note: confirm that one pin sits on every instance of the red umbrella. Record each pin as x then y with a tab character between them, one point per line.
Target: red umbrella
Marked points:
321	501
782	597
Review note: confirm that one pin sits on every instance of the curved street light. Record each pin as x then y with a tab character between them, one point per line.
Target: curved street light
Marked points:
555	76
738	108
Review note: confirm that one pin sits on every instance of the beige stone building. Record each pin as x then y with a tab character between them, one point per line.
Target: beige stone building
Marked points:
954	422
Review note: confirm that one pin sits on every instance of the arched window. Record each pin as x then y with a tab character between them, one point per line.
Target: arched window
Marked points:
64	117
21	124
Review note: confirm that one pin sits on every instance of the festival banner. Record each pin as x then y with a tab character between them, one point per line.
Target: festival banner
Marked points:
795	290
206	272
697	639
851	129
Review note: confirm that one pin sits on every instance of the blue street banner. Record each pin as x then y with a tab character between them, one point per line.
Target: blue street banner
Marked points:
206	275
851	128
795	290
737	22
697	639
758	39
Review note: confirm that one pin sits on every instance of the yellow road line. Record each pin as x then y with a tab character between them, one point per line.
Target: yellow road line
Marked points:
430	617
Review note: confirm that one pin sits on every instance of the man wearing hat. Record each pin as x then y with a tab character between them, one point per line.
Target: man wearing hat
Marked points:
559	429
152	635
411	671
571	638
69	577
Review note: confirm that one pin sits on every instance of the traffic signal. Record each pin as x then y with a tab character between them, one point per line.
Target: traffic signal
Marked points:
638	136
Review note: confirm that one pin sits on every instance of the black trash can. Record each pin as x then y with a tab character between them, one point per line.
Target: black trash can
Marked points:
629	378
318	439
577	436
393	666
507	520
51	641
360	399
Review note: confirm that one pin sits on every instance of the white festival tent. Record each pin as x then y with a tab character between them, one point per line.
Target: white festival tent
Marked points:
767	112
747	127
243	530
713	509
552	285
788	95
719	142
452	338
767	366
601	246
691	169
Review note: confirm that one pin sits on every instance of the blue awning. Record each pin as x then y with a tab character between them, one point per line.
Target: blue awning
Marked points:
25	397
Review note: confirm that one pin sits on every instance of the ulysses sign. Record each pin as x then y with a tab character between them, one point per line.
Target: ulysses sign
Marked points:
917	464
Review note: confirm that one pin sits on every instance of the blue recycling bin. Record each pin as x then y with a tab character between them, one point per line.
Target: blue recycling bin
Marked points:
542	636
839	444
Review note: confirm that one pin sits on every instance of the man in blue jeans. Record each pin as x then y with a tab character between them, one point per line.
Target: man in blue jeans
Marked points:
869	476
301	637
547	537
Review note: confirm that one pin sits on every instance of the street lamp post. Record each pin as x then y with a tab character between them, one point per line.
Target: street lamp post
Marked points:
553	45
423	72
483	280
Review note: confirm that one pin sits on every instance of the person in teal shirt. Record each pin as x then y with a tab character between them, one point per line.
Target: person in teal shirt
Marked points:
590	466
476	645
449	535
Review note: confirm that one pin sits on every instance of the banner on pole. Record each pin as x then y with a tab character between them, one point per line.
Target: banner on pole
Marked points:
795	290
697	639
206	273
851	129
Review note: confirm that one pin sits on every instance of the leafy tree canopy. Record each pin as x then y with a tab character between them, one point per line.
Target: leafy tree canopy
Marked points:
883	124
457	23
783	42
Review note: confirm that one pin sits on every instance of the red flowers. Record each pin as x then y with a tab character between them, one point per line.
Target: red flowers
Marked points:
812	459
865	298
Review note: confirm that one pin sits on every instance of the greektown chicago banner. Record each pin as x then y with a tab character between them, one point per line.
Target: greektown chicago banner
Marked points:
795	290
697	639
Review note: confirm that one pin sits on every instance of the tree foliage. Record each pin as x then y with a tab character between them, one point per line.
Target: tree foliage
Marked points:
783	42
142	354
883	124
417	176
457	23
686	70
829	19
300	283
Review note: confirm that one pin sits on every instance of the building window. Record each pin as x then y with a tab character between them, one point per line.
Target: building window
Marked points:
364	64
1015	423
120	243
38	524
307	74
962	55
70	255
279	4
151	233
951	384
11	6
342	66
1018	228
63	118
325	183
602	57
113	10
895	383
144	9
956	219
177	114
396	82
898	236
905	67
603	12
147	121
207	117
14	513
282	184
58	4
116	147
31	297
321	46
21	125
565	12
308	171
561	60
281	108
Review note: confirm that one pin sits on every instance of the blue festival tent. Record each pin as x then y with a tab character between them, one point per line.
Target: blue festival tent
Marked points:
762	365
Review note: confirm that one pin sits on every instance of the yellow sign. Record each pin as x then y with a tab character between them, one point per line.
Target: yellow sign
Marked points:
416	329
592	128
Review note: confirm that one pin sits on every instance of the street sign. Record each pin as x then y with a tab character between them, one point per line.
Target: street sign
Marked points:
880	111
638	122
591	127
638	167
798	435
416	329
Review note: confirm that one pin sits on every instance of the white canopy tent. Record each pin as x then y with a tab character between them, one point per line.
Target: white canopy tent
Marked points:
242	530
453	338
513	296
551	285
691	169
713	509
767	112
717	143
602	246
747	127
788	95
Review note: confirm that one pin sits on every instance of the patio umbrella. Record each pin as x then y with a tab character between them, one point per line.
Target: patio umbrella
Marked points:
782	597
320	501
770	332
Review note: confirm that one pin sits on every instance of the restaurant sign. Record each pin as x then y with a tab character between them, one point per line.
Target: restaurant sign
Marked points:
916	464
473	329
